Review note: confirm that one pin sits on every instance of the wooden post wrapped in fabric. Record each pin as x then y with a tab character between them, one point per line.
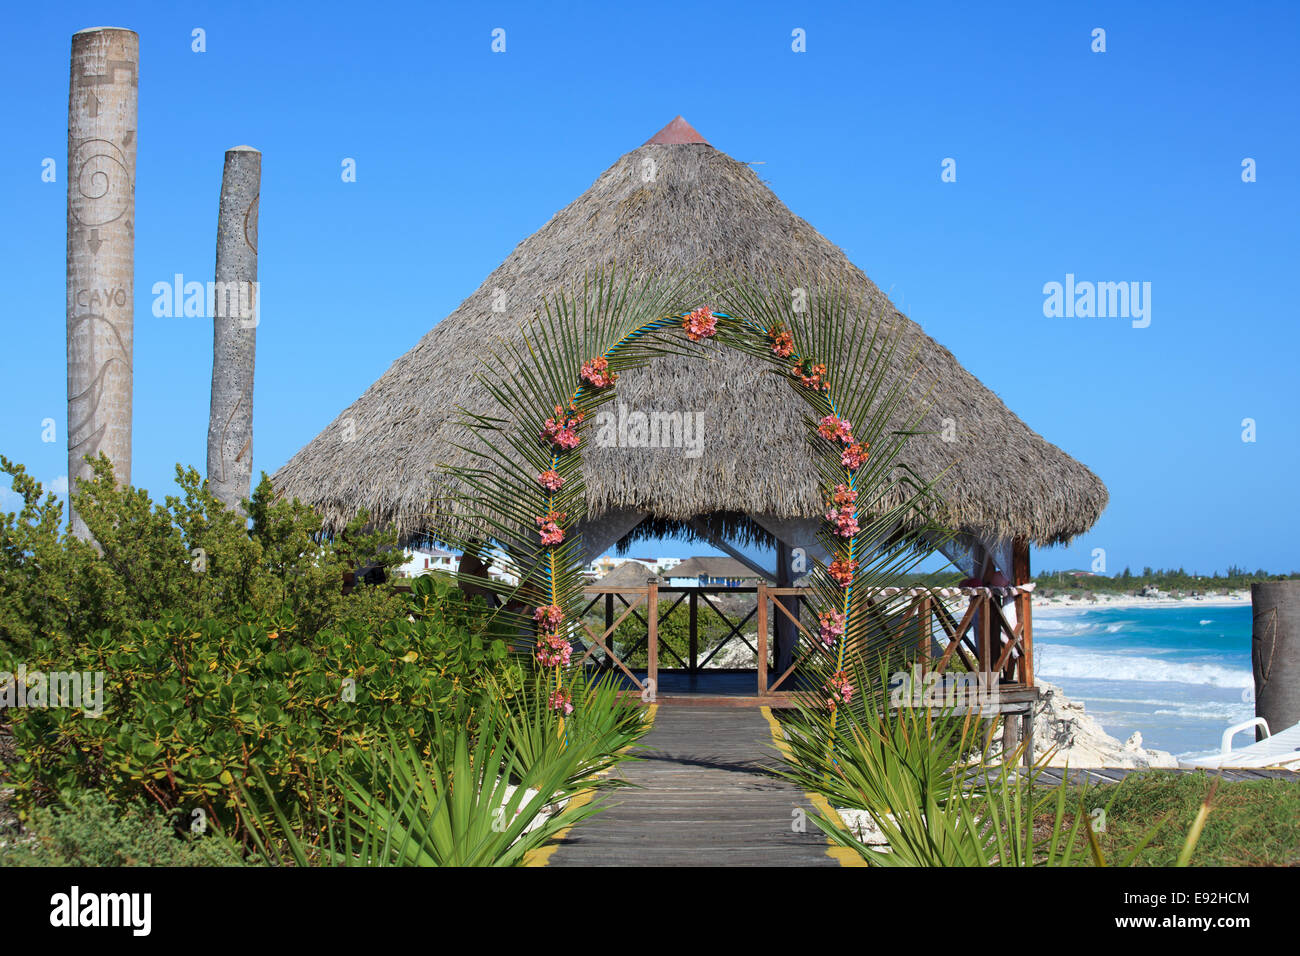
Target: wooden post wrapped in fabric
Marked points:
102	113
1275	652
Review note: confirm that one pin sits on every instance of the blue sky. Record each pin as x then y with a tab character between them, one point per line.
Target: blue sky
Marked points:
1115	166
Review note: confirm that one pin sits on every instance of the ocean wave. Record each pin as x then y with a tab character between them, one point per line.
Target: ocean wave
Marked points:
1058	662
1226	711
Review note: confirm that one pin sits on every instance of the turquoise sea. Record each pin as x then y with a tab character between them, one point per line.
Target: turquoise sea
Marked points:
1180	675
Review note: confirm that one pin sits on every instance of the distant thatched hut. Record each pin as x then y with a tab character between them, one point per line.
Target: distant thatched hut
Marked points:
629	574
716	572
677	203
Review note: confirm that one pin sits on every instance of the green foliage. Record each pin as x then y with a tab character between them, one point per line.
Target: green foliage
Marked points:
190	555
1252	823
224	644
907	767
1167	580
92	831
495	790
193	705
597	733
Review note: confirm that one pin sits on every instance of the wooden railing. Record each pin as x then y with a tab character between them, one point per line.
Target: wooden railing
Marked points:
983	641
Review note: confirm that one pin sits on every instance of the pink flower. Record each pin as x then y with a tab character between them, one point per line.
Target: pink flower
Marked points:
548	617
840	688
854	456
843	511
562	430
832	627
700	324
842	571
782	342
845	522
549	527
550	480
832	428
843	496
561	700
595	372
553	651
812	376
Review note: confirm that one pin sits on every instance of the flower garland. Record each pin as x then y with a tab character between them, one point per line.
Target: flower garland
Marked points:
840	690
595	372
561	432
700	324
841	511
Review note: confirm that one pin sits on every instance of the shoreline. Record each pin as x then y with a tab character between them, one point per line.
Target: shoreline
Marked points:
1058	602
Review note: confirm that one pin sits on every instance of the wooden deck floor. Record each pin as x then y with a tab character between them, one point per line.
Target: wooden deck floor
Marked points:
703	798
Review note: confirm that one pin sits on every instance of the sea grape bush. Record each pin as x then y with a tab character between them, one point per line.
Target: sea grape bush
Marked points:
190	555
193	705
259	660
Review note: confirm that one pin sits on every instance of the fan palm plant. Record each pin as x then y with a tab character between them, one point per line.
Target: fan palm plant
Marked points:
477	804
909	769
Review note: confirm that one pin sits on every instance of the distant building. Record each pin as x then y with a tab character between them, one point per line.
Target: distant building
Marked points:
497	569
600	567
423	560
660	565
712	572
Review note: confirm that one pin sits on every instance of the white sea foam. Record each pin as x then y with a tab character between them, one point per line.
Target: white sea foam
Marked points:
1227	711
1056	662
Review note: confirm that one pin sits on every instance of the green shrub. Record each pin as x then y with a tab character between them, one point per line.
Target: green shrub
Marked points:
191	706
251	657
495	789
190	555
92	831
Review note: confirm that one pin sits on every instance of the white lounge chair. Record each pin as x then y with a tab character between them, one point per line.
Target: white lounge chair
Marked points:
1275	750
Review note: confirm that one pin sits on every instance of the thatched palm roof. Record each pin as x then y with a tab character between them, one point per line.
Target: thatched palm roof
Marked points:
701	210
713	567
629	574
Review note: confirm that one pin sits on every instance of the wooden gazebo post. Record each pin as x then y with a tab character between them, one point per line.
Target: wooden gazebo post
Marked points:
1020	574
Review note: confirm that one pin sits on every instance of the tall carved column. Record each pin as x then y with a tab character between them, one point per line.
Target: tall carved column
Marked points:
102	115
234	329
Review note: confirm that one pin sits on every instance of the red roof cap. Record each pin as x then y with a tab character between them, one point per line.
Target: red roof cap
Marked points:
678	131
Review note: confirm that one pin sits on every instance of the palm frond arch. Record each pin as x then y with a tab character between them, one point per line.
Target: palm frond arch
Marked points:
525	495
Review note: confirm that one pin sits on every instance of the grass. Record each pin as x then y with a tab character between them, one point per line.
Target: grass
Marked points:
1251	822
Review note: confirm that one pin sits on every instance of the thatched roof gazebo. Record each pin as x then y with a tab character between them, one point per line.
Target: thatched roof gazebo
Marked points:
677	204
629	574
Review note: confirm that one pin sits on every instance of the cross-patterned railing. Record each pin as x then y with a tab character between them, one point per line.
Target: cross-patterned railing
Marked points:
985	639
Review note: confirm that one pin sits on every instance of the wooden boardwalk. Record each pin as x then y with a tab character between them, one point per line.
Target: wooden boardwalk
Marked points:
704	796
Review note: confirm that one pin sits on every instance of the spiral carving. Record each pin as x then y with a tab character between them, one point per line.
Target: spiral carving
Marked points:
103	191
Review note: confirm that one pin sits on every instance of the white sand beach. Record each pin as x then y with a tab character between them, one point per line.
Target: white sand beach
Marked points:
1232	599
